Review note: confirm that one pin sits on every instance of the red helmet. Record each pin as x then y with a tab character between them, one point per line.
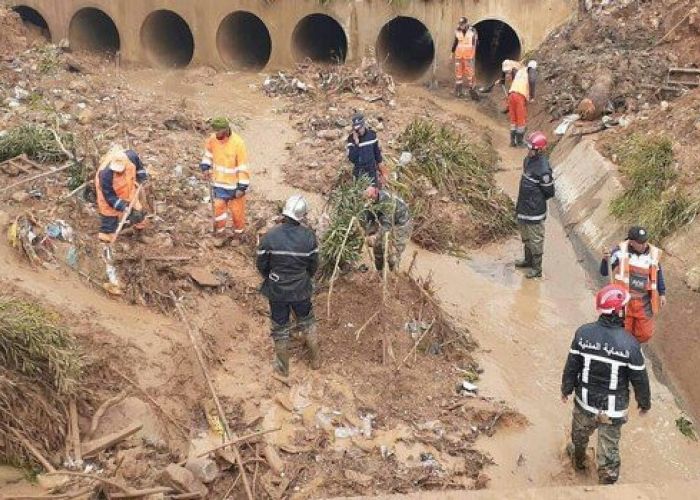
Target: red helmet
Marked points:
537	141
611	299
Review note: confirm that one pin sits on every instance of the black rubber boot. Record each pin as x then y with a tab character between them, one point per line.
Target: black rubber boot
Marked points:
527	260
536	270
459	89
578	457
513	139
281	363
313	343
520	139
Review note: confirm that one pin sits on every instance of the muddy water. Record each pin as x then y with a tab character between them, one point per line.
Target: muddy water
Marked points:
524	327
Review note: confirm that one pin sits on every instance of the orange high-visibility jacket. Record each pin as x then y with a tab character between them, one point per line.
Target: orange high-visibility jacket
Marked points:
465	44
228	160
639	273
124	183
521	83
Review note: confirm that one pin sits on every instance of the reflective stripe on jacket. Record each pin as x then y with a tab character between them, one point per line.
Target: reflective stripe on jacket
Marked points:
228	160
536	187
465	48
639	273
287	259
603	361
115	190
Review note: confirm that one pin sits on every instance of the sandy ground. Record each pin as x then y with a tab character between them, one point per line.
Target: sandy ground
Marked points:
524	328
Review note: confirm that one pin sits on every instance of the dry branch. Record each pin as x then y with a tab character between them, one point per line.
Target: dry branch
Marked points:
97	445
212	390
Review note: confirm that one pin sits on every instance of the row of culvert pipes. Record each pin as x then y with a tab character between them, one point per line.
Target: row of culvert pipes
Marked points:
244	42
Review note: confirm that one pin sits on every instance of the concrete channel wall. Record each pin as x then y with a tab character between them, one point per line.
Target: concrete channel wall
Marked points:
413	37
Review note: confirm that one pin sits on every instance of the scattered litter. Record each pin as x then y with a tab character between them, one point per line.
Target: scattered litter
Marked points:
566	122
466	388
59	230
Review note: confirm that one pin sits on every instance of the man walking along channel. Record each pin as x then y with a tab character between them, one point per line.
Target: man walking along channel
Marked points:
604	360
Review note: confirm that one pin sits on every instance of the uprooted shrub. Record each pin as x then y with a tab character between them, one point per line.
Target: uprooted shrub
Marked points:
450	187
651	195
37	142
40	370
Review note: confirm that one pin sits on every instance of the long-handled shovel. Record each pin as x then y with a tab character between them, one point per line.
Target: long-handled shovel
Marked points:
112	286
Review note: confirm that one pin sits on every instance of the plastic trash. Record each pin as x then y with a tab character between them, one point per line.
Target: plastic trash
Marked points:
346	432
466	388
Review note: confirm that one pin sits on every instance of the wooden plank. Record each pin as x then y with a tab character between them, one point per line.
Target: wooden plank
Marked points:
97	445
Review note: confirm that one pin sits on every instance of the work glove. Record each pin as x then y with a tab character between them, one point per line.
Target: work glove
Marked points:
136	217
240	191
121	205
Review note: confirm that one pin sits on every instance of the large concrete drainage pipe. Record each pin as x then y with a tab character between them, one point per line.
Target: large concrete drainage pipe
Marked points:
167	39
497	42
91	29
244	41
406	48
320	38
35	21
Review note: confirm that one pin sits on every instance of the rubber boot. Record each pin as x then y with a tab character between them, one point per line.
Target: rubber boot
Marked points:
281	363
459	89
578	457
527	260
313	343
520	139
474	95
513	139
536	270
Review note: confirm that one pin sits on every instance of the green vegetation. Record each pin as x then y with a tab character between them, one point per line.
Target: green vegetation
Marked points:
651	197
451	171
346	202
40	369
37	142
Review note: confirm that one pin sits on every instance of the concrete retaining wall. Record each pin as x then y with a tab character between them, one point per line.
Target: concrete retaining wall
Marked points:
361	21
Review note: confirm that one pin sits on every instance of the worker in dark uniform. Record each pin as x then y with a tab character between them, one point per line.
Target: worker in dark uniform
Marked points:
287	260
604	359
364	153
536	187
387	218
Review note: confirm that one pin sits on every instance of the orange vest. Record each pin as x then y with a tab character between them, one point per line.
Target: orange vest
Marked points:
639	273
124	183
465	44
521	83
228	160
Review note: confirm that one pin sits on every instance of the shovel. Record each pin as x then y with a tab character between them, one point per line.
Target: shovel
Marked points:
112	286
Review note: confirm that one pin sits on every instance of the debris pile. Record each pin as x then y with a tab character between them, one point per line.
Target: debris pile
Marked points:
449	184
40	370
622	44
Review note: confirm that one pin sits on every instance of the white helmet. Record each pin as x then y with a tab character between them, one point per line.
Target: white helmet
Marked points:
532	64
296	207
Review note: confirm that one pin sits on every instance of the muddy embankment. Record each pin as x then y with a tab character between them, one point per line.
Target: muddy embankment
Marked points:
586	183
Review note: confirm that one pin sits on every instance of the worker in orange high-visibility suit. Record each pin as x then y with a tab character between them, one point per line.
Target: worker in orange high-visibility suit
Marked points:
522	91
464	52
225	165
115	181
635	265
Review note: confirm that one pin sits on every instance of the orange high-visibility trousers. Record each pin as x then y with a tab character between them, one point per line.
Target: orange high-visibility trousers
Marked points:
464	70
233	208
517	111
637	322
